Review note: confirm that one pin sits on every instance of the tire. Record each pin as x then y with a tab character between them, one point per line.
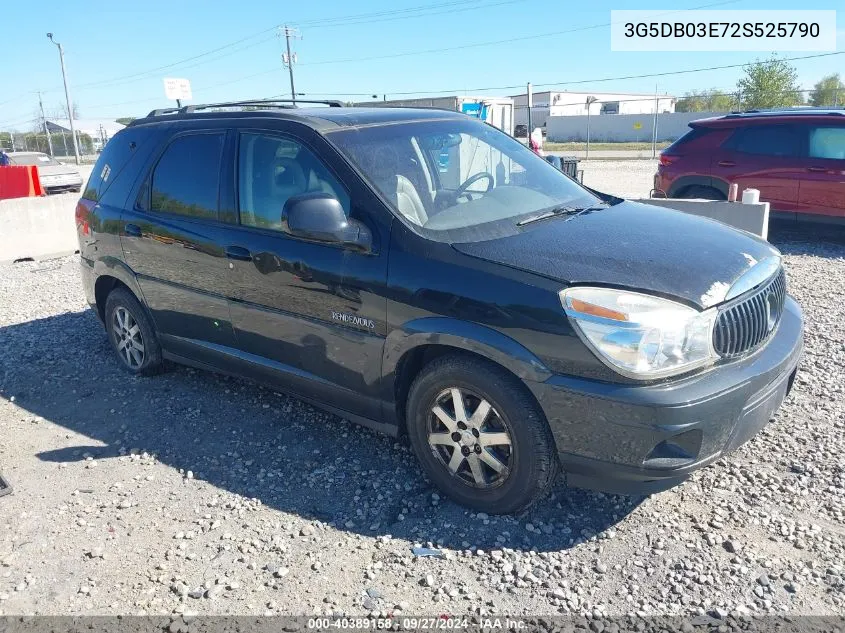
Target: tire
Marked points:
704	193
137	349
530	459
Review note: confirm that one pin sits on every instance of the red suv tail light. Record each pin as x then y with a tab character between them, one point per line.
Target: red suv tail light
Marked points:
666	160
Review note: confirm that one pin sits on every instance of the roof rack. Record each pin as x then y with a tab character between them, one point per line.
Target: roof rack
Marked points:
258	103
795	110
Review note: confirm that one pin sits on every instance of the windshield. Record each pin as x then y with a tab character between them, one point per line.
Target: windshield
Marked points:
458	179
33	159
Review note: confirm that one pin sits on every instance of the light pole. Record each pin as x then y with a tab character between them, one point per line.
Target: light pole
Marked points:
590	101
67	97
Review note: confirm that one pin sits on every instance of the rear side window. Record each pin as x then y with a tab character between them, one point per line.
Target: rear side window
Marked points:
186	180
693	134
116	155
827	142
766	140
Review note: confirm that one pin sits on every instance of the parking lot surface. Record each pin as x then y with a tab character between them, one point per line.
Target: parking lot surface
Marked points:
194	492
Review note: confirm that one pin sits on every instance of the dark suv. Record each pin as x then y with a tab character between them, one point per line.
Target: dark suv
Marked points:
796	158
420	272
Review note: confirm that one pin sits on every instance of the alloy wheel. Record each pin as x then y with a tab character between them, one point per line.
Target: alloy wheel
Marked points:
127	338
470	439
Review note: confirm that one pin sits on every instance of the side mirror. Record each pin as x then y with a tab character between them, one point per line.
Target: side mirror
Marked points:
319	217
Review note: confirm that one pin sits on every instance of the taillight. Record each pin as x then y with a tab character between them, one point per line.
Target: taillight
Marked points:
83	208
666	160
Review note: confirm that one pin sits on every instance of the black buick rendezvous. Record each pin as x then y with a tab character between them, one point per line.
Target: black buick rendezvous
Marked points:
422	273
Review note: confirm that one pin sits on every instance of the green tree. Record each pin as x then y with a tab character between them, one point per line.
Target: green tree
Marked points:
829	91
769	84
706	101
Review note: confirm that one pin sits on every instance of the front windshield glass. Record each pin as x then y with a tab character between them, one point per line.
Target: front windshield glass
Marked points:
33	159
458	179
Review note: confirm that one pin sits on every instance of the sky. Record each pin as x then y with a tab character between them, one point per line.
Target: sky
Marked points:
118	53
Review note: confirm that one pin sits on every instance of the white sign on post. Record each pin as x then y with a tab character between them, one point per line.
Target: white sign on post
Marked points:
176	89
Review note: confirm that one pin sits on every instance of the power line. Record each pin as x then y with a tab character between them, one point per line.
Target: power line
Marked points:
504	41
604	79
317	23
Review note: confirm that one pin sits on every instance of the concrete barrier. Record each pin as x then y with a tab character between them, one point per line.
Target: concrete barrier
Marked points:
753	218
38	228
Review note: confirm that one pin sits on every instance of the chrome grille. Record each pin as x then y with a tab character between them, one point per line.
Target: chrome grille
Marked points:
745	324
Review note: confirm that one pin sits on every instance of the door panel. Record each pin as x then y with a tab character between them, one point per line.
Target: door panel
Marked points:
822	187
172	240
181	268
314	308
767	158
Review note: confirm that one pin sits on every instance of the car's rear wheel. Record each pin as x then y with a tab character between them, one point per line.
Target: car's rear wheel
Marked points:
131	333
702	192
479	435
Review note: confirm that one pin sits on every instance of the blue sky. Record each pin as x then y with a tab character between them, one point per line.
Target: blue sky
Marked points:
115	51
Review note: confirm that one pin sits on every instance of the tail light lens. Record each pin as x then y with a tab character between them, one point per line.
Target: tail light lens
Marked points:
666	160
83	208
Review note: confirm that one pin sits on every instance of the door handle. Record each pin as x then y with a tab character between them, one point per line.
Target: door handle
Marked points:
726	163
238	252
818	170
132	230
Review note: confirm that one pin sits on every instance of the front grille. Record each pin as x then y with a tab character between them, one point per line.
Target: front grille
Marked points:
745	324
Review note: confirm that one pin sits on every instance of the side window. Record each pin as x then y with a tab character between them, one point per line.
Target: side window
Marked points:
272	169
769	140
115	156
827	142
186	180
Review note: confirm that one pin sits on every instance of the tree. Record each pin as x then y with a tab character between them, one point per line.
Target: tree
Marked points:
60	111
830	91
769	84
125	120
706	101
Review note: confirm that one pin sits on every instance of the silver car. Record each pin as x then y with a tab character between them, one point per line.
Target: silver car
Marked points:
55	177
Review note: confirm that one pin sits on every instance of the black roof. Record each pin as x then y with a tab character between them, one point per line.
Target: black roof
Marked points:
322	118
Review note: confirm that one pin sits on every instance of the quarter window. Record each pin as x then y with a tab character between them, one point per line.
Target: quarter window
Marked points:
271	170
186	180
769	140
827	142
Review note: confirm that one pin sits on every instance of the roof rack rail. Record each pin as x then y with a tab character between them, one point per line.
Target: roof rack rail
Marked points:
806	110
257	103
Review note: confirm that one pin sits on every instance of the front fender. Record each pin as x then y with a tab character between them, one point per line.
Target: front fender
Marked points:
465	335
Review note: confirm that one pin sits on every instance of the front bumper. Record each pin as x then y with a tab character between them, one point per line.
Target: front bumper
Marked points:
640	439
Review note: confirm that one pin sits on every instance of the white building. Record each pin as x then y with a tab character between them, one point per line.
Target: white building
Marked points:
548	104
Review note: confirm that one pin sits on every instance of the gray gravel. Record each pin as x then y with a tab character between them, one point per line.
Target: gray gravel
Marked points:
190	492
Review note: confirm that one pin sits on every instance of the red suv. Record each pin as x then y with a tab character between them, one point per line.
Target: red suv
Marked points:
796	158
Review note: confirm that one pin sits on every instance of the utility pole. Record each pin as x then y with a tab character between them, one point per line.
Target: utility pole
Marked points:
530	101
289	59
44	121
67	97
590	101
654	126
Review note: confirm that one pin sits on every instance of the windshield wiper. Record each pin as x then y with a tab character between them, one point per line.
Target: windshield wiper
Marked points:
559	210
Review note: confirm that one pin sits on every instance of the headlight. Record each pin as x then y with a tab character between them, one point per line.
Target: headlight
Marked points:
638	335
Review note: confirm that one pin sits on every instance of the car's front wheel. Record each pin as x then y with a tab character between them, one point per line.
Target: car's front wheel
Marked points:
131	333
479	435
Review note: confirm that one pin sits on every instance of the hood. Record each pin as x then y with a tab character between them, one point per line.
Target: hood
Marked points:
635	246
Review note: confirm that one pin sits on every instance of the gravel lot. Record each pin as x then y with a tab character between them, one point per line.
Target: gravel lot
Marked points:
192	492
623	178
